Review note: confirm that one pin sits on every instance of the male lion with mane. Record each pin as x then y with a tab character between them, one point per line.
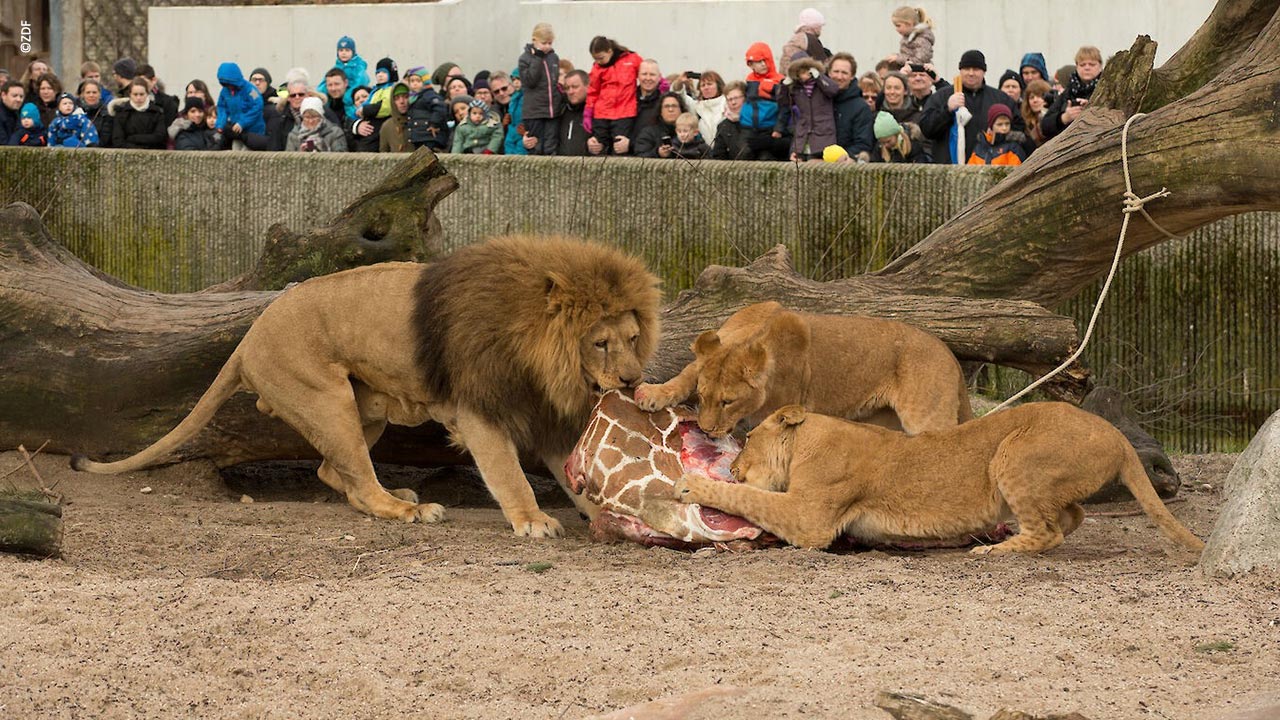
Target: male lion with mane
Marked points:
505	343
809	478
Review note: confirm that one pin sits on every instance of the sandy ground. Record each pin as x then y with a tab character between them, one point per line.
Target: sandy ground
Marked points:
188	602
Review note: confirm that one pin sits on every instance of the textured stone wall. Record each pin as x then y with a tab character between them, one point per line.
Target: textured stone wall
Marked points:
1191	330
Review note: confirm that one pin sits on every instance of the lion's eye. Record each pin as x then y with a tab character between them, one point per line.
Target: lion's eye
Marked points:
635	339
726	402
602	344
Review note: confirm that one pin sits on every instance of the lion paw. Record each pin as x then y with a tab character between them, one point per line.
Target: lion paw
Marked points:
537	525
405	494
988	550
651	397
684	490
429	512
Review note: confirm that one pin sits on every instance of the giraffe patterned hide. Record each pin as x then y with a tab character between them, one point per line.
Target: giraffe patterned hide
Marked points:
627	462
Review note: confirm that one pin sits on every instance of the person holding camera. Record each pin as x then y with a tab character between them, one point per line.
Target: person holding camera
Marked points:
658	140
1075	96
707	102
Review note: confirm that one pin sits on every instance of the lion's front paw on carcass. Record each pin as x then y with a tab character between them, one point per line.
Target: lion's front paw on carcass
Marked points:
685	490
537	525
651	397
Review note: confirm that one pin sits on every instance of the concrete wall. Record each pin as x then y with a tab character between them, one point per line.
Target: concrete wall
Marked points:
187	43
1191	328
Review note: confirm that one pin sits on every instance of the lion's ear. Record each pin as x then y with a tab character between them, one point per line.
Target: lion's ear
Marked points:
557	290
791	415
706	344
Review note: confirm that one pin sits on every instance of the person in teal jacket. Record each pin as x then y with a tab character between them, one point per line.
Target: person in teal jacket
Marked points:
514	142
356	69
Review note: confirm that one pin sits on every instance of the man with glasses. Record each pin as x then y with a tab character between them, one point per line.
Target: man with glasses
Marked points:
261	79
501	88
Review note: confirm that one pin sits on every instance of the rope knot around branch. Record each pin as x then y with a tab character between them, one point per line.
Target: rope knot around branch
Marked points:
1133	203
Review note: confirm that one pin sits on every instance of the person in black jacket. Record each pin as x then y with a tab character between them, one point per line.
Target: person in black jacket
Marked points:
189	130
731	137
136	121
543	101
975	97
12	96
855	123
427	120
91	101
657	141
573	137
1070	103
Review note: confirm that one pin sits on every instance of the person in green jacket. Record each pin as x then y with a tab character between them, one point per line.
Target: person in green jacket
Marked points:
480	133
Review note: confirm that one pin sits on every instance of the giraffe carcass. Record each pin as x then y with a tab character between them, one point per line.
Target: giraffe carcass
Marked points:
628	461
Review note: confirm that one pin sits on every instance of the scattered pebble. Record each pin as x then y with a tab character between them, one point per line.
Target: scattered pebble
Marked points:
246	499
705	552
1207	487
348	538
146	490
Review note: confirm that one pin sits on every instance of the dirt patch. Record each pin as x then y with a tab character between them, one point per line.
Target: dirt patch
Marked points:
187	601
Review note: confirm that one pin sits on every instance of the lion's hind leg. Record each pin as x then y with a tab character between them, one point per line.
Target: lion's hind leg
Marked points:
324	411
1028	486
373	420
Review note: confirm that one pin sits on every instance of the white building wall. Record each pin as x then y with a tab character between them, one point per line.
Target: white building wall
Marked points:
190	42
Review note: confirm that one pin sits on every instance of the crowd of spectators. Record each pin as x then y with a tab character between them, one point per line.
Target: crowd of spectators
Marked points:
807	103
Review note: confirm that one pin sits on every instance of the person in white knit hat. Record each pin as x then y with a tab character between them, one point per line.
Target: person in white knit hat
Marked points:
805	40
315	133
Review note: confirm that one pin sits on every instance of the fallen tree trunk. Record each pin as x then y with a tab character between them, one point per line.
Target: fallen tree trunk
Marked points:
102	368
30	526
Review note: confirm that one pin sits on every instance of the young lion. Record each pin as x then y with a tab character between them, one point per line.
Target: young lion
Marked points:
505	343
765	357
809	478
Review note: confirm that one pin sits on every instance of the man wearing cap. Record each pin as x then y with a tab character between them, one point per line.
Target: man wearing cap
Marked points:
805	40
125	69
967	105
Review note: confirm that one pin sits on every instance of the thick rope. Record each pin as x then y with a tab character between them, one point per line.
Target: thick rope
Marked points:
1132	204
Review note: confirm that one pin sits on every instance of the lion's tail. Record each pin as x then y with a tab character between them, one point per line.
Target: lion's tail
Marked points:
223	387
1134	477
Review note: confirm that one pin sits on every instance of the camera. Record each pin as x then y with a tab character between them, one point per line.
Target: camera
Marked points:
666	139
693	75
916	67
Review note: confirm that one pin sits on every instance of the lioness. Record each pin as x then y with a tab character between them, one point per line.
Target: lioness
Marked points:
809	478
765	357
506	343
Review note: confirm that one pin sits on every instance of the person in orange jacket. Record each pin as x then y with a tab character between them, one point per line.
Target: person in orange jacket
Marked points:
1000	144
611	94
